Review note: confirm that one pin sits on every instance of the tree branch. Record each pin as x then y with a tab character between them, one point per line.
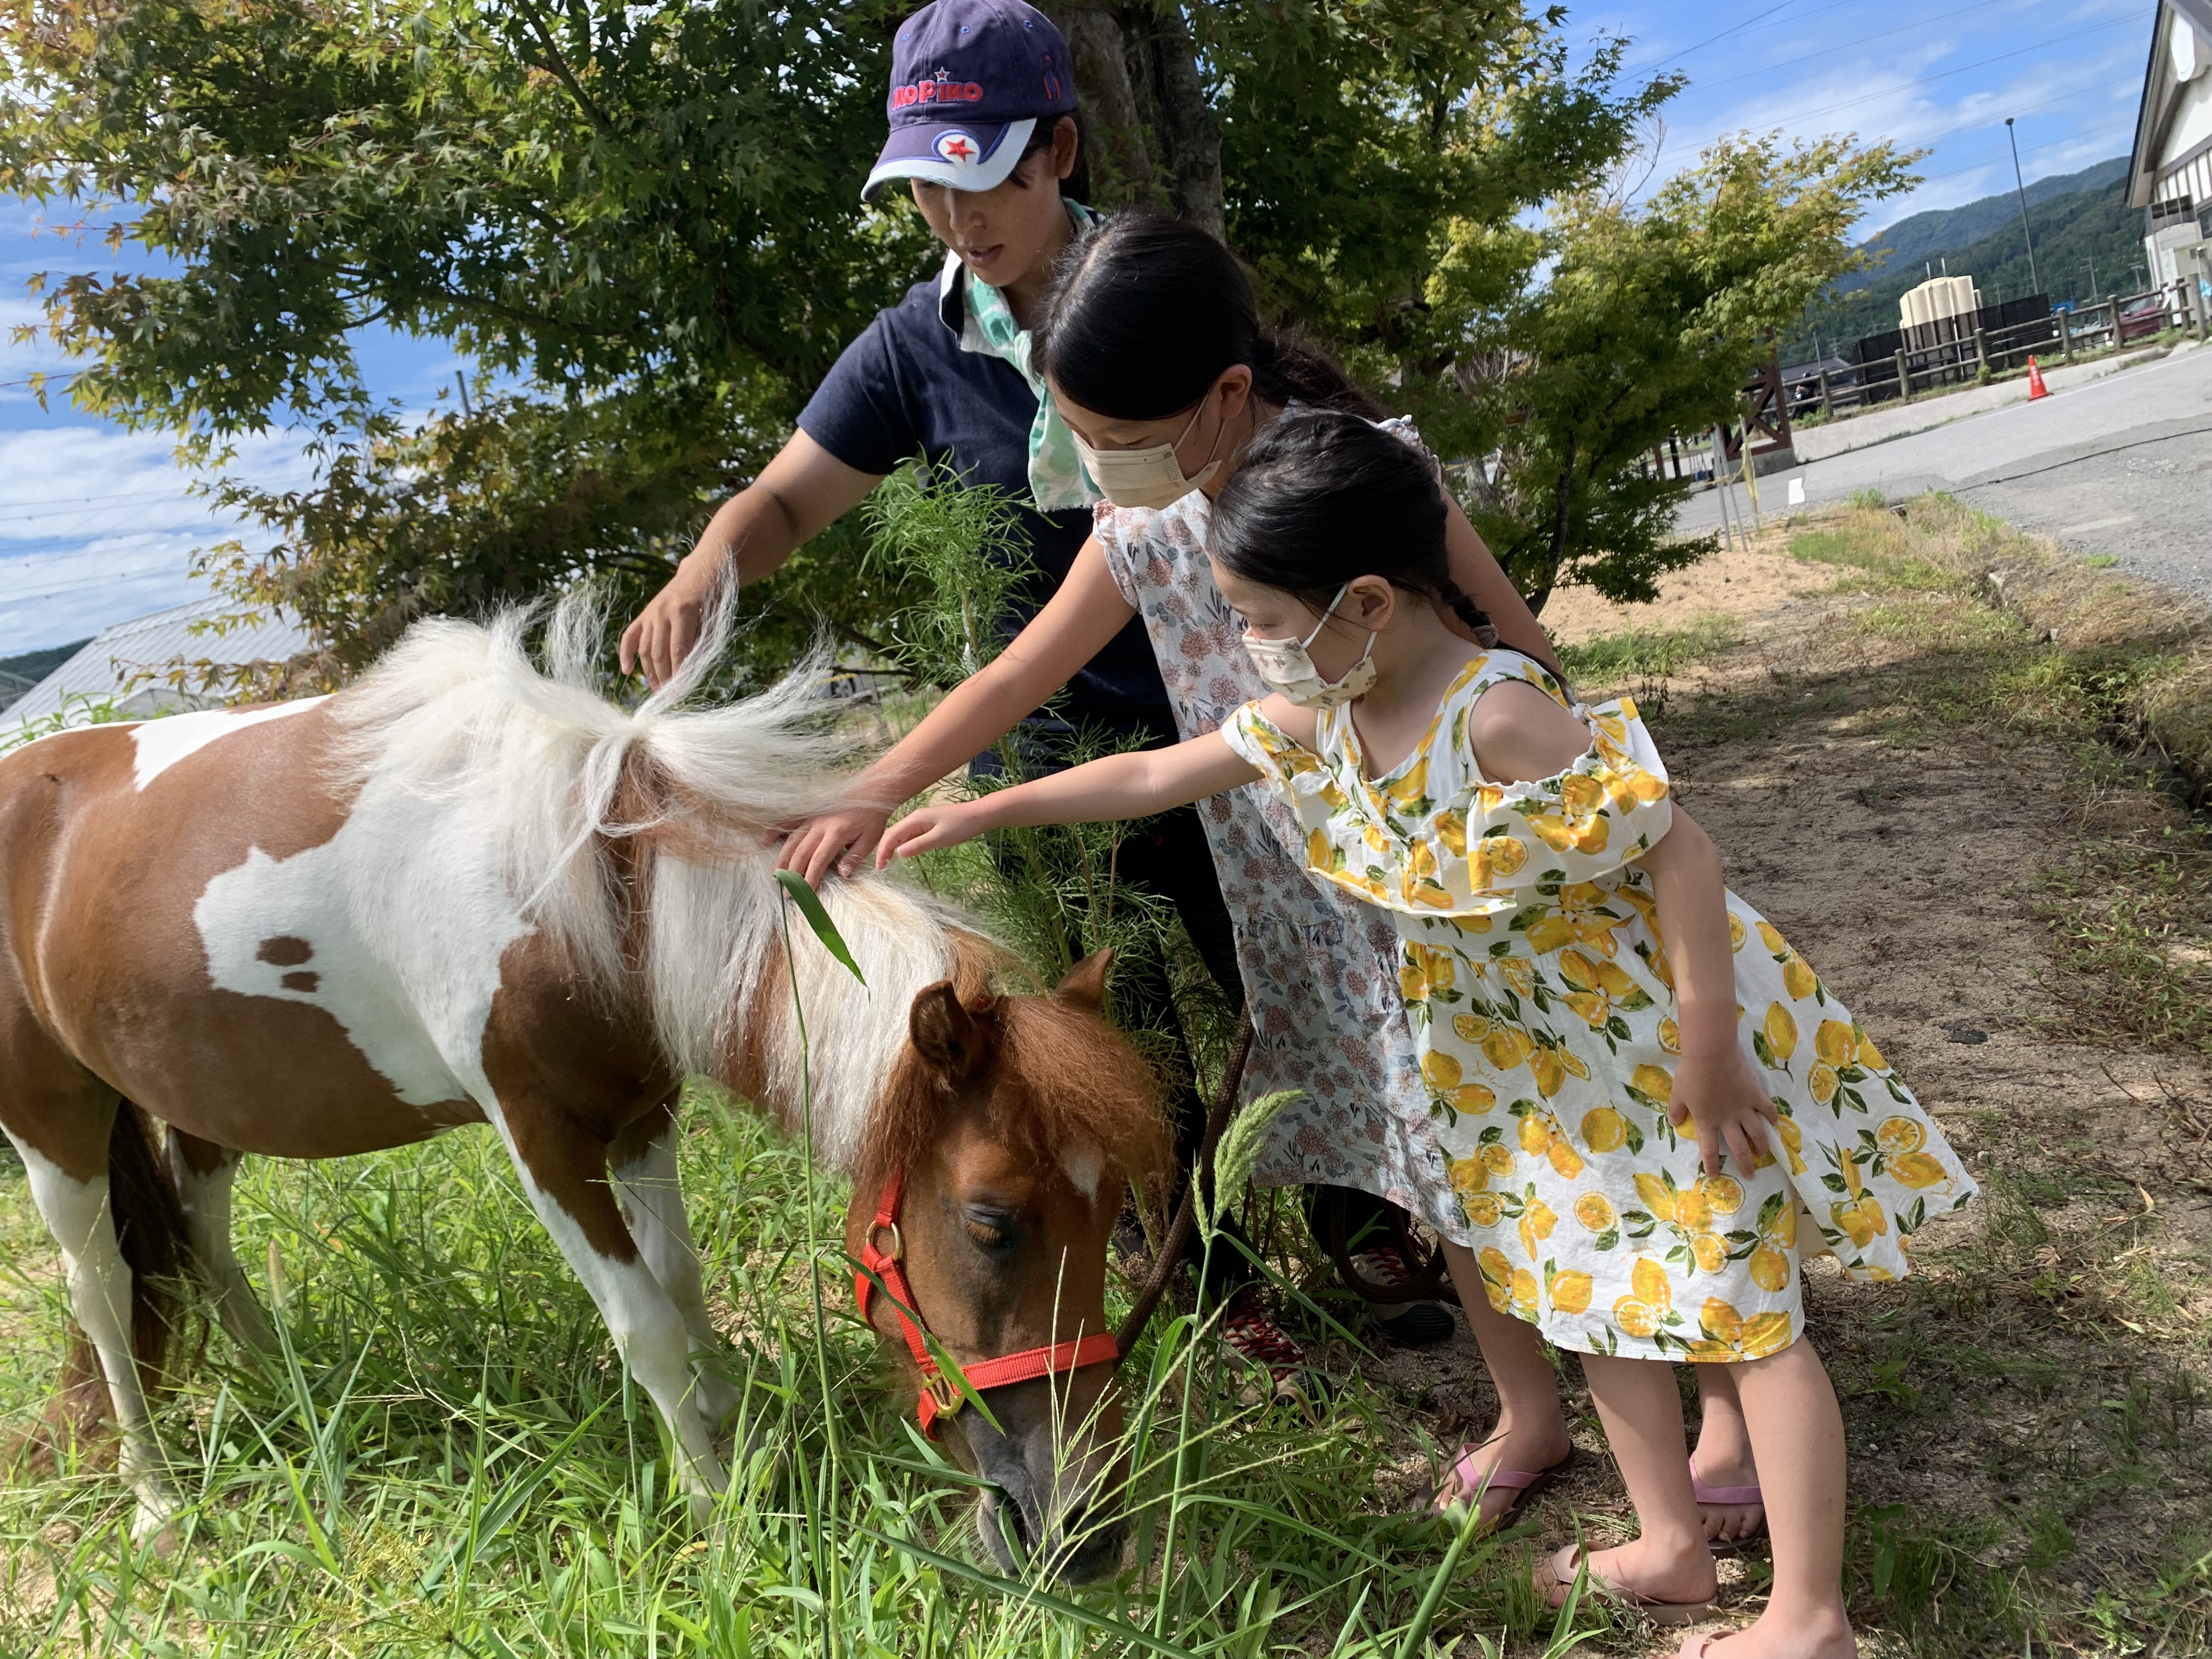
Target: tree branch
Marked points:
559	66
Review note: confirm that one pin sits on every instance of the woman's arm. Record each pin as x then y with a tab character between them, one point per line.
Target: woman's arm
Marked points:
1714	1084
1480	578
799	495
1133	785
1078	621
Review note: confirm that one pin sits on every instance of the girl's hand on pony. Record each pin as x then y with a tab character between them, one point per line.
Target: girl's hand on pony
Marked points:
930	827
1722	1095
839	839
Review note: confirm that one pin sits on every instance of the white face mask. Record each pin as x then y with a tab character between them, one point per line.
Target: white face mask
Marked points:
1150	477
1285	666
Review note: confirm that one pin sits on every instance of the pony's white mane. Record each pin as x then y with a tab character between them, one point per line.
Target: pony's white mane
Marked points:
459	711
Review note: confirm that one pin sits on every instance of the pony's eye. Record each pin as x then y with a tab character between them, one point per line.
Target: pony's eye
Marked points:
992	1232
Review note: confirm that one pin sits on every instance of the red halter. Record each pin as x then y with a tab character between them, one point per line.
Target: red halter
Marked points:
938	1396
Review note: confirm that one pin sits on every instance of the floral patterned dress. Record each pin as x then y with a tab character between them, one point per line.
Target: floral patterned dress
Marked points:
1543	1006
1319	967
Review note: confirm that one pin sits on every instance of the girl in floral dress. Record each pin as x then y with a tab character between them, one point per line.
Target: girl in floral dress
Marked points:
1152	332
1648	1106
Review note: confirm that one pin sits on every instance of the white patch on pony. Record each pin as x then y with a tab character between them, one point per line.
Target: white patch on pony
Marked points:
1084	1166
404	913
649	1333
161	743
76	1213
458	717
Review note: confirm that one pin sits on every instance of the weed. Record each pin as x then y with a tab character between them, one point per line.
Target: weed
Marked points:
1612	659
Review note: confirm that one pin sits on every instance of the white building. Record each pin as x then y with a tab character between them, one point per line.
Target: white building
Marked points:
2170	173
115	665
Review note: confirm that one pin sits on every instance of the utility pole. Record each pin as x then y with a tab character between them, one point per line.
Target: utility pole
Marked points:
2032	278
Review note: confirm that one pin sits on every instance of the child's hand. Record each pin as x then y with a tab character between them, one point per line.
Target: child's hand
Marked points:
931	826
1723	1094
838	839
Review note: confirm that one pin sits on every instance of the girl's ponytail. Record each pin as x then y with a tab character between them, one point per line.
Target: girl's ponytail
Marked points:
1286	370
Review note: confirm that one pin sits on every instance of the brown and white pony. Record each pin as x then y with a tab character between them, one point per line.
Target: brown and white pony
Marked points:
465	891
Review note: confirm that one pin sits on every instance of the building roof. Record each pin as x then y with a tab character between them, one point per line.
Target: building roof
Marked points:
2162	95
107	666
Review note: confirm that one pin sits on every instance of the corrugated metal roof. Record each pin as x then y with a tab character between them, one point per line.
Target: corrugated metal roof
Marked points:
104	666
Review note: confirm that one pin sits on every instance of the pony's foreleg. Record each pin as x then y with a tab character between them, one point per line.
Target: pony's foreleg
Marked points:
79	1214
643	1161
564	1169
203	1173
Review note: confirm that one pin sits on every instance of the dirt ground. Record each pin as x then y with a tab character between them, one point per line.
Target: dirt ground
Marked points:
2025	1453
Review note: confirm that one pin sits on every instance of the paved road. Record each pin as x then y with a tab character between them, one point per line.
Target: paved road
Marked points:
2122	466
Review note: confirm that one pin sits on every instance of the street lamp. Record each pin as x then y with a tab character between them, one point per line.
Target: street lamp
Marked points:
2016	183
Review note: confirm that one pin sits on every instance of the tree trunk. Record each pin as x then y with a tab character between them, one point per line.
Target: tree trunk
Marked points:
1121	170
1154	140
1186	140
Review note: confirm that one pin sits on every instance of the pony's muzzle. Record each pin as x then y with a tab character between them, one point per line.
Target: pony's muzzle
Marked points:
1082	1542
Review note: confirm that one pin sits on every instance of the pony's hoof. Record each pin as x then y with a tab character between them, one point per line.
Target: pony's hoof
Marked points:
154	1527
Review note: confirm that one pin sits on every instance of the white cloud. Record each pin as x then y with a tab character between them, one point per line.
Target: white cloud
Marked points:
97	526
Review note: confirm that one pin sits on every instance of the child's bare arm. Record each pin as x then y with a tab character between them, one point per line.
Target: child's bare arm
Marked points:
1714	1084
1118	787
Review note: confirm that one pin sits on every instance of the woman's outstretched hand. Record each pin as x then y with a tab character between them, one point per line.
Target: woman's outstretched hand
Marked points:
839	840
931	827
1722	1095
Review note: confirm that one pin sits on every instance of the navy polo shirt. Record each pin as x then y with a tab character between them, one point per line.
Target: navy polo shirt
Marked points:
906	388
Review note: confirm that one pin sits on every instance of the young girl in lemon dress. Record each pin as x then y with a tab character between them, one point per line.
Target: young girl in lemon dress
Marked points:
1648	1105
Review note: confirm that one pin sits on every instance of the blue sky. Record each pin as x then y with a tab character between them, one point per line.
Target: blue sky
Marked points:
97	525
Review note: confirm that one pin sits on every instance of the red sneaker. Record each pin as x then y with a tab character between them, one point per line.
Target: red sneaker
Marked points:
1414	1324
1252	1332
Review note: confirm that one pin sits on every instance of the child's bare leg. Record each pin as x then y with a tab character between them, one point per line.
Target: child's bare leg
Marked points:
1642	1411
1531	1432
1799	1433
1723	1454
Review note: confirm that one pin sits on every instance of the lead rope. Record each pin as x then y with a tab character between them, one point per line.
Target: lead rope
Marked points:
1169	1256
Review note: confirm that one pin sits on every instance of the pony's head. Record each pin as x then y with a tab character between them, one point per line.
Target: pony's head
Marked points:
1016	1122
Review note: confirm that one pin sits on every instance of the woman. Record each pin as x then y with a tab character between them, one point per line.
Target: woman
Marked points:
983	133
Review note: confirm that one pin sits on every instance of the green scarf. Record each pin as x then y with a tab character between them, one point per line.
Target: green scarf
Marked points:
1057	480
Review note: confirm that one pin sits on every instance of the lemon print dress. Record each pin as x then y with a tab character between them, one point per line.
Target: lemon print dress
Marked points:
1543	1010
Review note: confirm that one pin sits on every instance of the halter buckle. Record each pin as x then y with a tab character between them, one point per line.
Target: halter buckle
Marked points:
947	1399
897	1251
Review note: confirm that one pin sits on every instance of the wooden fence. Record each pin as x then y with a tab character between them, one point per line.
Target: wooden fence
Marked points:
2054	338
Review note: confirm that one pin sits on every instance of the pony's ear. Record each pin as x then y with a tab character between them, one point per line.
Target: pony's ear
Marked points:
950	1039
1084	987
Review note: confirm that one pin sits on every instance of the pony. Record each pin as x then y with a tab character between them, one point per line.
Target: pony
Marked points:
467	891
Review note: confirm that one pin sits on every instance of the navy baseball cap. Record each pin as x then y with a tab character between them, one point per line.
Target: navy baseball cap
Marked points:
970	79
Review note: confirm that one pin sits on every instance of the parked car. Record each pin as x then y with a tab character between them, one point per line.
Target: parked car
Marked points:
2144	315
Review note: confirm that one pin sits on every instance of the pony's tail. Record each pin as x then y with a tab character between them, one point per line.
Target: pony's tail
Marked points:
150	1233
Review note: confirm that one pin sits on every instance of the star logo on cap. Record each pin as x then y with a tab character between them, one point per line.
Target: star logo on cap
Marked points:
956	147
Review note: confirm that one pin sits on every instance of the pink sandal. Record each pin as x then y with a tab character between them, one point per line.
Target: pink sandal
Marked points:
1523	1484
1557	1573
1729	1497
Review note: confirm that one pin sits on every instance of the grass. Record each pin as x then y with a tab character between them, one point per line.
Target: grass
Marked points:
1641	652
453	1463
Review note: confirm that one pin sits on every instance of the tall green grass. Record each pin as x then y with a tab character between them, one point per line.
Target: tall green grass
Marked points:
448	1459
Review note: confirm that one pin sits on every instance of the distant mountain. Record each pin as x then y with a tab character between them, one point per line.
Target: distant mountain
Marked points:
37	664
2088	243
1924	235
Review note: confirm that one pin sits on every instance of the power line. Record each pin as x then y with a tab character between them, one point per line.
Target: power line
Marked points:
2130	79
1845	45
1745	27
62	501
1925	80
2071	139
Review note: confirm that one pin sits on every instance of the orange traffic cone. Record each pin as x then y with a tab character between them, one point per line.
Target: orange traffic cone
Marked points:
2035	385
